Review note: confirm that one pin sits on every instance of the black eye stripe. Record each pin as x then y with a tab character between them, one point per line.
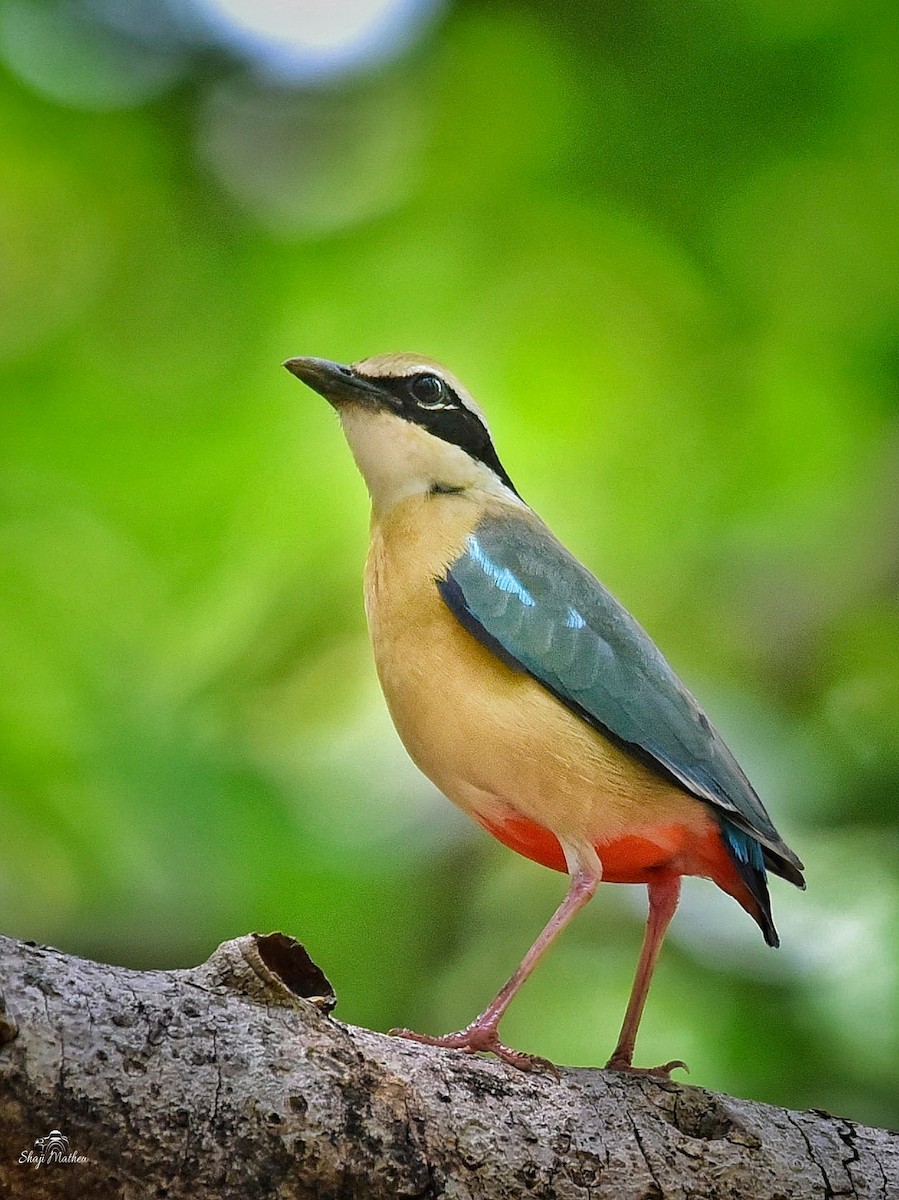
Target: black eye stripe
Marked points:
449	419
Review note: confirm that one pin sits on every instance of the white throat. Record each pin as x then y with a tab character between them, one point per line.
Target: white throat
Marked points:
398	458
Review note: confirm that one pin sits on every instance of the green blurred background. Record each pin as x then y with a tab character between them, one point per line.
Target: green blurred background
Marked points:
661	244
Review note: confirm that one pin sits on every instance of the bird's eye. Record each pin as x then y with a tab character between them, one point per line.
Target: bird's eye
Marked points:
428	390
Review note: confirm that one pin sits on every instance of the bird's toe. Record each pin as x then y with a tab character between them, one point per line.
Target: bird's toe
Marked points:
481	1040
660	1072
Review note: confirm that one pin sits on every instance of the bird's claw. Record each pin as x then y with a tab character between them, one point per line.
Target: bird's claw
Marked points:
663	1072
479	1040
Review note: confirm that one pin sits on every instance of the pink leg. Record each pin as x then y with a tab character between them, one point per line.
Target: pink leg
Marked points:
663	898
481	1034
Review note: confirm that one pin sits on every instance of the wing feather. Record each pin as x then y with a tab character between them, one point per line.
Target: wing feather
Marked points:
518	590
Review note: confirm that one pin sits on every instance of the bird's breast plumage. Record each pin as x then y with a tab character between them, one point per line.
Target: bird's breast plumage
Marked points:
486	733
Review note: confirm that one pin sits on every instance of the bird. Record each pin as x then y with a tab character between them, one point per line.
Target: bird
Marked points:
526	692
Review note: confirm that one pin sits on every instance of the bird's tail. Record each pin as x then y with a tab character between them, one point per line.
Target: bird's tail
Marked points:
748	857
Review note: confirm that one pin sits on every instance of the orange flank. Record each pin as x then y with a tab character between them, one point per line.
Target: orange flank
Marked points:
673	850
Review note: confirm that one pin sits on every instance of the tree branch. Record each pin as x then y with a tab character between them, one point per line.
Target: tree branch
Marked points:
232	1080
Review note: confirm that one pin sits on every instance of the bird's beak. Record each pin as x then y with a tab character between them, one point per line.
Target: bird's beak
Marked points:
337	383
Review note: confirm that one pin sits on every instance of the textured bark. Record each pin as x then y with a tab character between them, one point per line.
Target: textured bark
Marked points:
223	1081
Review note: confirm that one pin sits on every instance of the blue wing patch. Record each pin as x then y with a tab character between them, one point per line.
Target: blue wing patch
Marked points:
521	593
502	577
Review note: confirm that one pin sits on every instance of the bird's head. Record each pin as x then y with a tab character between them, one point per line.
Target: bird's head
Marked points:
411	425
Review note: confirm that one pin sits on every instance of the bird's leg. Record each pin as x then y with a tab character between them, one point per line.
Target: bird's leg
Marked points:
663	898
481	1034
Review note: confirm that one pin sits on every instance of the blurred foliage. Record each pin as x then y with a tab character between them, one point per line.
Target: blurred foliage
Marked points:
661	243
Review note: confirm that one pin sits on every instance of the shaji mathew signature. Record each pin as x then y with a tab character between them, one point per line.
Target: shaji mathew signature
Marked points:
53	1148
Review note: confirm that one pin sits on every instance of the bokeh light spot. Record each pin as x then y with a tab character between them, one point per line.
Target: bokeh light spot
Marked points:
311	39
57	49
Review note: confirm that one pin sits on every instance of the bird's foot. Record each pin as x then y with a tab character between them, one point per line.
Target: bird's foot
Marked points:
480	1039
620	1063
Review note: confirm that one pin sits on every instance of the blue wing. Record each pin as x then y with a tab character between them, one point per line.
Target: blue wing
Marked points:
522	594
